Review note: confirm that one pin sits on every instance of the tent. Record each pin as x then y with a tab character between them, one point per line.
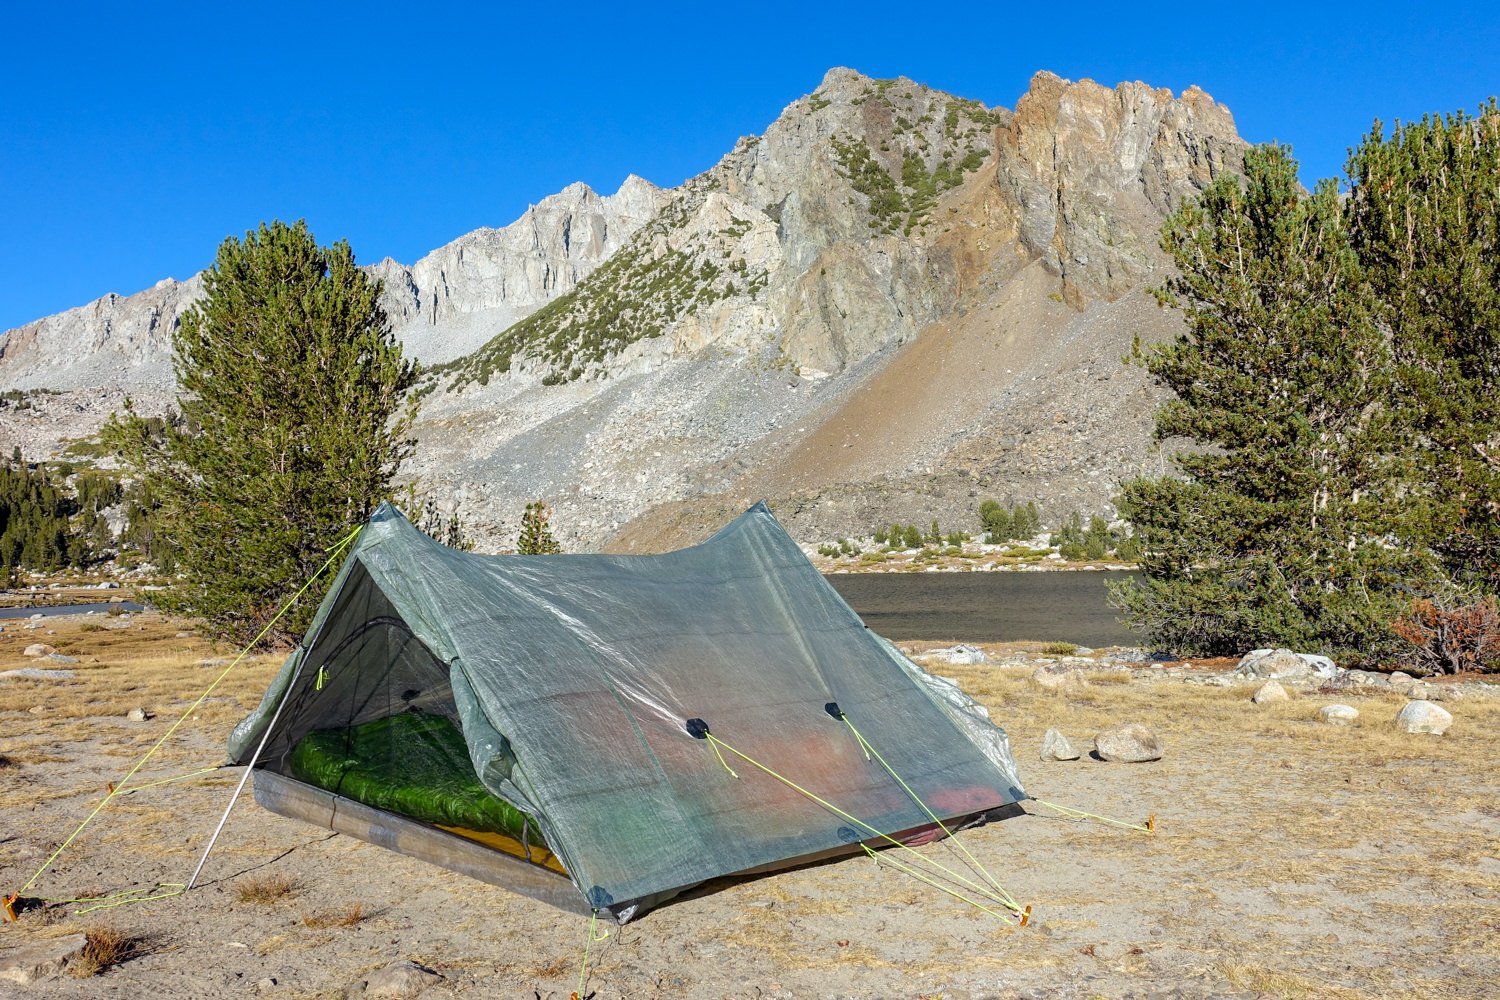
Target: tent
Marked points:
558	724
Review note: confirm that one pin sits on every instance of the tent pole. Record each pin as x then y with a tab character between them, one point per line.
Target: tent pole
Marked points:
249	768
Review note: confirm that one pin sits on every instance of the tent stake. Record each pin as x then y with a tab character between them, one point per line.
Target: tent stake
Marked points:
249	768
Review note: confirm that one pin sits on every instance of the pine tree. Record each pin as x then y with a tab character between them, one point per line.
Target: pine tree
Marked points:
536	536
1288	526
294	419
1424	213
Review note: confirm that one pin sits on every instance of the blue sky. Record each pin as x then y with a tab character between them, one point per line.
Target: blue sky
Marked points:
132	143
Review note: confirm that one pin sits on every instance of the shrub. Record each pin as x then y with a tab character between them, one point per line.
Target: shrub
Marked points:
1059	649
1453	640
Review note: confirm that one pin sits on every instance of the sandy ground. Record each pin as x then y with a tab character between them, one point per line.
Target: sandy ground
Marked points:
1293	859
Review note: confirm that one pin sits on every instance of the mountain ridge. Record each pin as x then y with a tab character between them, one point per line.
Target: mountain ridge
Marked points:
758	330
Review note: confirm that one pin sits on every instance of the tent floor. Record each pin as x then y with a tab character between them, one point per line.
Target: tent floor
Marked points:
298	800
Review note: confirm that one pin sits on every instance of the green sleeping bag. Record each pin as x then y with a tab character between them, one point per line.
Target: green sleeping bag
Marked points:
413	764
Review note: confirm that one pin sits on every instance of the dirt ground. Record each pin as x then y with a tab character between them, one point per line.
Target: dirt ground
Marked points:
1292	859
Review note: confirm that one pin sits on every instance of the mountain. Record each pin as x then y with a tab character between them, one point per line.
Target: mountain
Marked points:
892	303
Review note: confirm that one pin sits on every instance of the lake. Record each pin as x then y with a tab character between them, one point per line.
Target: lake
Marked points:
987	607
68	609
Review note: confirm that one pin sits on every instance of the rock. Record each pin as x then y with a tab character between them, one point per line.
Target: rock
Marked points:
1054	678
1424	717
962	654
40	959
1268	692
1282	664
1338	715
1055	746
401	979
1402	683
137	715
38	649
36	617
36	674
1129	744
184	635
59	658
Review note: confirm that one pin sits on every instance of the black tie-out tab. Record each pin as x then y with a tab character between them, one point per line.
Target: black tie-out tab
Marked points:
697	729
832	708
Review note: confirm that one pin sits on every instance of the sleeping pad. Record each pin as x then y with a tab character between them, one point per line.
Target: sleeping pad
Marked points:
413	764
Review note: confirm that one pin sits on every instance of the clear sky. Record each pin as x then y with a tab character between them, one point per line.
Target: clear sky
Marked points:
135	137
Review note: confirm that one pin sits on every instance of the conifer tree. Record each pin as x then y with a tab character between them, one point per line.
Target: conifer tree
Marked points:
293	422
1424	213
1289	525
536	536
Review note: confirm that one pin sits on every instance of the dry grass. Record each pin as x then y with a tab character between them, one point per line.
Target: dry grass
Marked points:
350	916
104	947
264	890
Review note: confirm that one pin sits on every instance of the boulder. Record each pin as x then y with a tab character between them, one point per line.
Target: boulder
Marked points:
40	959
137	715
1424	717
35	674
1130	744
1284	664
401	979
1338	715
962	653
59	658
1055	746
38	649
1268	692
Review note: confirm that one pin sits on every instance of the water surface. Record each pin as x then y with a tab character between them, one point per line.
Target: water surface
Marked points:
988	607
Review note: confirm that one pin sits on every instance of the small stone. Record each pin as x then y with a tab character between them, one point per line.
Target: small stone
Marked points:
1338	715
40	959
184	635
38	649
137	715
1268	692
1055	746
1424	717
1129	744
401	979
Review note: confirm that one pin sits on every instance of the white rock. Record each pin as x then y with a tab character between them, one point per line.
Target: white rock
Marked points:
137	715
1268	692
1055	746
1424	717
401	979
1338	715
38	649
39	958
962	653
1131	744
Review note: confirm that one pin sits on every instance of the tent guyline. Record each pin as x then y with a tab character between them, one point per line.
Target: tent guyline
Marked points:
699	729
1147	827
951	835
116	789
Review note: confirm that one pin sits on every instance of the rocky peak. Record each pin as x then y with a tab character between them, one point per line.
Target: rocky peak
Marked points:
1093	171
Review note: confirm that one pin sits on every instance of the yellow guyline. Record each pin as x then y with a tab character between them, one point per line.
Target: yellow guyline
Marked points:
1019	913
119	788
865	744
